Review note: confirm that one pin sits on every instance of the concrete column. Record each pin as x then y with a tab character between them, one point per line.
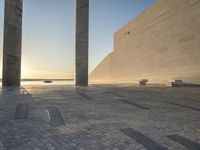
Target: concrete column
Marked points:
12	43
82	26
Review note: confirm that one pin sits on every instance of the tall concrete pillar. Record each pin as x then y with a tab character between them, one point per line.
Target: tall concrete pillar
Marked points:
81	54
12	43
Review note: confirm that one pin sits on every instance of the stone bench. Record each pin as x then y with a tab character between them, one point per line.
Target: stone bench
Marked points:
143	81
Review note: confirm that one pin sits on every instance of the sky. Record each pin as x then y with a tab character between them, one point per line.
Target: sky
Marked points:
48	41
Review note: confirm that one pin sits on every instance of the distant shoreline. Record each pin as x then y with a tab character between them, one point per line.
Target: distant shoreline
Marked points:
45	79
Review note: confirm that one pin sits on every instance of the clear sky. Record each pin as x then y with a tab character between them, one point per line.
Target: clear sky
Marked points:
49	29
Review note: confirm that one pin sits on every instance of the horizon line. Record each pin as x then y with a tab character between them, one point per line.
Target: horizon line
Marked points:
41	79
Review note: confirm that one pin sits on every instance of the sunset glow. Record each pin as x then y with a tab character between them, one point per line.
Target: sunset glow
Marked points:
48	42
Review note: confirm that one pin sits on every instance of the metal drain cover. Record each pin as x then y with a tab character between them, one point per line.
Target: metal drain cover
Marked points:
133	104
1	146
186	142
21	111
55	116
142	139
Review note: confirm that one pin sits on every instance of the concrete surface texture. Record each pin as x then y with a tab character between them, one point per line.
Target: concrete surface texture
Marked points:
81	54
161	44
12	42
99	118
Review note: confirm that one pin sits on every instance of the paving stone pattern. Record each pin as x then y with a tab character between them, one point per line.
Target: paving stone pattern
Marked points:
99	118
142	139
182	140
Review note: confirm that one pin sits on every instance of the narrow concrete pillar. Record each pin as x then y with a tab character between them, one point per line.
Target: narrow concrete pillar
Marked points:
81	54
12	43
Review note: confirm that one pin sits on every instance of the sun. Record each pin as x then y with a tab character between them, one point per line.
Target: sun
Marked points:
24	71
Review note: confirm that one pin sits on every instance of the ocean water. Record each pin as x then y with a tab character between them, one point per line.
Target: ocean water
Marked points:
60	82
41	82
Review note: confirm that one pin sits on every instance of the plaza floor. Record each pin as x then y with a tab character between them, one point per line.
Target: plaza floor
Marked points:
99	118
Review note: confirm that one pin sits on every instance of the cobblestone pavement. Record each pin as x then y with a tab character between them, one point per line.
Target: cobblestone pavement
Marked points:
99	118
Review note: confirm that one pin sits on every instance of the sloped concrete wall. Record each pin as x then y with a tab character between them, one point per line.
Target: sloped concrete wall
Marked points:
161	44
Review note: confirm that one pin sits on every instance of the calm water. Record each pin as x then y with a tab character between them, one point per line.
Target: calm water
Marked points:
60	82
64	82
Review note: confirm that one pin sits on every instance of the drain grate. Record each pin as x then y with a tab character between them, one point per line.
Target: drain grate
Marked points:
21	111
186	142
142	139
1	146
116	94
134	104
55	116
85	96
180	105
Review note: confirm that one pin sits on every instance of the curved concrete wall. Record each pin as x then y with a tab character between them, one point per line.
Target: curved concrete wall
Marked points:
161	44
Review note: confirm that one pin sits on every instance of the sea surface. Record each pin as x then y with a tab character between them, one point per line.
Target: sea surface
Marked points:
60	82
41	82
